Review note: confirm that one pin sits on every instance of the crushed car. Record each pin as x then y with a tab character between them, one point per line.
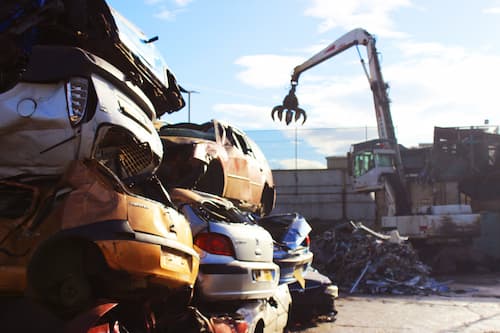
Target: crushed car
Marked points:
237	276
91	236
270	315
82	214
217	158
315	300
236	254
290	232
28	27
65	98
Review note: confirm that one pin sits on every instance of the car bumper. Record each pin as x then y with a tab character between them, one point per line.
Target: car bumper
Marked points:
238	280
159	260
293	267
316	299
158	265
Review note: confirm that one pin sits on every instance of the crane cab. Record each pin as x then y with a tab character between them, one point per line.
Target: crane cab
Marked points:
369	161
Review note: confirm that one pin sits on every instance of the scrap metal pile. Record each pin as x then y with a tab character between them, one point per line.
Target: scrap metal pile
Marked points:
360	260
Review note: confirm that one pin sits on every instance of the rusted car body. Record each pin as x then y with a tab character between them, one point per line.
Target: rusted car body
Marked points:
217	158
89	232
236	254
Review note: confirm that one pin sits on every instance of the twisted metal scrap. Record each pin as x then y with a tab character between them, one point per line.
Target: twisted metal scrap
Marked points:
291	106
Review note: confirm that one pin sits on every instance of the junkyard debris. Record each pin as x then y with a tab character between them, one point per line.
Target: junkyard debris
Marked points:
357	260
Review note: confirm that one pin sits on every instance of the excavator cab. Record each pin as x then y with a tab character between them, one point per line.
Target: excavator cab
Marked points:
369	161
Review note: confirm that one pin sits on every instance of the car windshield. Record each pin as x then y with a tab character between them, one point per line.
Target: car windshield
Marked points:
136	41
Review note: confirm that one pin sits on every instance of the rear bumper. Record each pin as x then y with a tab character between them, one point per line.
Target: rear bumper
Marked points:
158	265
161	260
238	280
293	266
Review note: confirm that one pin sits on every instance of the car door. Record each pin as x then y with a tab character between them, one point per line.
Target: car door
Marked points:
256	166
236	168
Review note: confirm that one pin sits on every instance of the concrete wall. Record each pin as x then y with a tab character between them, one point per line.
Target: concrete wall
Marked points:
323	194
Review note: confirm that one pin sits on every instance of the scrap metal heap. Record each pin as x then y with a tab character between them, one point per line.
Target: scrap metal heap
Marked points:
360	260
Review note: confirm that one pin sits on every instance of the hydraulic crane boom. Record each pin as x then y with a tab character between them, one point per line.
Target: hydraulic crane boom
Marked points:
378	162
379	88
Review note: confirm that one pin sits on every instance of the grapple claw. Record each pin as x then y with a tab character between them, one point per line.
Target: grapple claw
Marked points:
291	106
289	116
305	116
300	112
280	113
275	109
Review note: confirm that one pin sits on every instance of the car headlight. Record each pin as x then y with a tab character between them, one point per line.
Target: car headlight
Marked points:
77	93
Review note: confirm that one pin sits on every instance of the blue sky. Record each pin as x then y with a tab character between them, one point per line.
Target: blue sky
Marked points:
440	58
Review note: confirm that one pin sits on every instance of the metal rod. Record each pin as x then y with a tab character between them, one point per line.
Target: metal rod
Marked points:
355	285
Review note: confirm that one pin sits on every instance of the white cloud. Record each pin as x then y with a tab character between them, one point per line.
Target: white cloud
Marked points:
182	3
267	70
453	88
493	10
373	15
165	14
244	116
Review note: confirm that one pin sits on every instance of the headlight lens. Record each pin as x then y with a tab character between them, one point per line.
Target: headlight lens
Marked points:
77	92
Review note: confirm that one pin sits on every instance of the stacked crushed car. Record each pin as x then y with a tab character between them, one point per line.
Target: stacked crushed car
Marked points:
97	206
82	215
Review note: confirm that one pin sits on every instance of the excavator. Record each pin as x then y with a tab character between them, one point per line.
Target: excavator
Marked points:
376	164
413	208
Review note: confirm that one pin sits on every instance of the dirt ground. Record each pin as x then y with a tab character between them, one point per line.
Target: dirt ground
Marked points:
471	305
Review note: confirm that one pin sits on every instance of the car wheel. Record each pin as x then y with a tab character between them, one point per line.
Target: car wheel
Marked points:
57	277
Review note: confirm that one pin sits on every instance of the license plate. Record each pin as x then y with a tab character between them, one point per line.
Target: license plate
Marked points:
261	275
297	273
169	259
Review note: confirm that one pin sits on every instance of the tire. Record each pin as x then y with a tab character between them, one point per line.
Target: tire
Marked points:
57	277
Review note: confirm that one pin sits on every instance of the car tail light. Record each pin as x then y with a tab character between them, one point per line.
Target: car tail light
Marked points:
307	241
214	243
229	324
77	93
241	326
